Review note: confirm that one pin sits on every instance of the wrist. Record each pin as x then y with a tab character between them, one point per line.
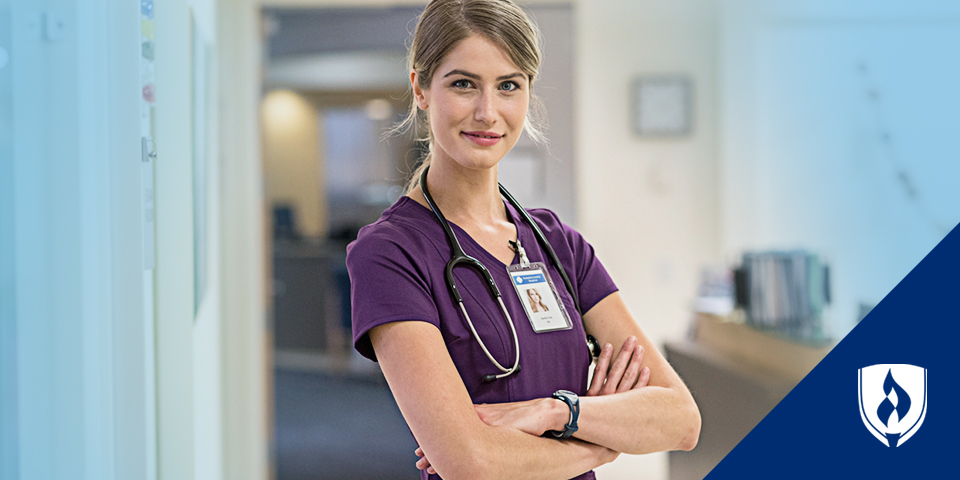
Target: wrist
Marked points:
572	401
559	414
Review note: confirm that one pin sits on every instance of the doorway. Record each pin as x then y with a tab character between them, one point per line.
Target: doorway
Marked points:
335	83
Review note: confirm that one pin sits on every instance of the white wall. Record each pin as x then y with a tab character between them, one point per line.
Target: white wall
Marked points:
190	367
174	243
292	159
208	399
246	359
82	377
804	160
648	206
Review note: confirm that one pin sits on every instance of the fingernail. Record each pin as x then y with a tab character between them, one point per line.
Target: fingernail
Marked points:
607	347
640	350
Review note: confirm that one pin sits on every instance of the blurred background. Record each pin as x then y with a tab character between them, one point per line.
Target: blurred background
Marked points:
178	183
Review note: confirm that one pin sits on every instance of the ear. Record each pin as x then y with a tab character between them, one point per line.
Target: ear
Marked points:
419	94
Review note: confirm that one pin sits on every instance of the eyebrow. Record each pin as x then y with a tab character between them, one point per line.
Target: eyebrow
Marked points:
477	77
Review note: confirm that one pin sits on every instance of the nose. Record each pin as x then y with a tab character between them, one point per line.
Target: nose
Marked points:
486	111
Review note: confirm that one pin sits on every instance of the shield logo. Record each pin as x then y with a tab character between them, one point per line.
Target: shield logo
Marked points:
893	401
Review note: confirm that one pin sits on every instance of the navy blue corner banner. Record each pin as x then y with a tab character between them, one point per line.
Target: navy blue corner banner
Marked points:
885	403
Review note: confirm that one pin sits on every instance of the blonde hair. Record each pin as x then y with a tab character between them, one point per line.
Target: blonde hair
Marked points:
533	305
442	25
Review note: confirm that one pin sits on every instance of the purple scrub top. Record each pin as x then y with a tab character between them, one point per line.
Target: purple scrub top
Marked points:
396	268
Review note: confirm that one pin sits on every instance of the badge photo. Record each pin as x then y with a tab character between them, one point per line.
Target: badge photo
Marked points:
539	298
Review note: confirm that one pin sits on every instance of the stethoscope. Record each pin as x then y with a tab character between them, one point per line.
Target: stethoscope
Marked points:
459	257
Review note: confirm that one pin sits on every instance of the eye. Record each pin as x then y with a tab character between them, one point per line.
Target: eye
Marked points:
461	83
509	86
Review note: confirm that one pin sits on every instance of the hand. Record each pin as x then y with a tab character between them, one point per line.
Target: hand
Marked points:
423	463
532	416
624	374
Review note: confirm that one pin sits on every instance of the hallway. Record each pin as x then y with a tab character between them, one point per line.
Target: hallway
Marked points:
323	420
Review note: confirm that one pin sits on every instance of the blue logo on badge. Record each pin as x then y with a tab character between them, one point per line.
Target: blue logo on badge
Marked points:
527	279
888	411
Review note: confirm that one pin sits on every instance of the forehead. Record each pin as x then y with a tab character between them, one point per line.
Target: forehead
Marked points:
477	54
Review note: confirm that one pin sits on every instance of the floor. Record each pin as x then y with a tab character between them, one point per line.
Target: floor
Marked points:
339	426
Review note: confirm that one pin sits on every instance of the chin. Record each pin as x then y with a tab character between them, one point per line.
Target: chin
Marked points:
485	161
472	157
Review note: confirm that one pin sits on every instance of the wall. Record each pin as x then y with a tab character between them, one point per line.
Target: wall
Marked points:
838	125
77	288
291	147
189	324
208	325
174	243
246	410
648	206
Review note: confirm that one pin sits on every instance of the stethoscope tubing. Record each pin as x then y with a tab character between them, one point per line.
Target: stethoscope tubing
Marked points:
458	256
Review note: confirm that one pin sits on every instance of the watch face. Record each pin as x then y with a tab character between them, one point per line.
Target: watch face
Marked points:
568	393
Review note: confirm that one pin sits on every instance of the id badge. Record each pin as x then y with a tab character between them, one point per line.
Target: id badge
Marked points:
539	297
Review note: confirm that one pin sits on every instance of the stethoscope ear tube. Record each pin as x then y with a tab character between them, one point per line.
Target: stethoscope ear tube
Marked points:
592	344
546	246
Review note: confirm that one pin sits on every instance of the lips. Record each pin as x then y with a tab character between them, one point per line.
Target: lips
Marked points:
485	139
483	134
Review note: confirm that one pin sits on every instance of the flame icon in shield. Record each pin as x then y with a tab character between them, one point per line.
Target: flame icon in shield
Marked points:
893	401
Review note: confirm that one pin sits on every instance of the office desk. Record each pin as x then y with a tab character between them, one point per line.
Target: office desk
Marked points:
737	375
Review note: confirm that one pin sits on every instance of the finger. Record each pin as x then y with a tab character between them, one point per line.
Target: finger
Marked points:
418	452
431	471
633	371
644	372
600	370
644	378
619	365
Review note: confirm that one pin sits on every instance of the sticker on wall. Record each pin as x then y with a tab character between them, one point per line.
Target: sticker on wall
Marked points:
146	8
149	153
146	28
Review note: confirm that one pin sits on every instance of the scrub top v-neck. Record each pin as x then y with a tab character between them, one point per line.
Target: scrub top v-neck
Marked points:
396	271
396	268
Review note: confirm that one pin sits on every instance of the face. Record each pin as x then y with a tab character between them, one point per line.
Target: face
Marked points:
534	295
477	103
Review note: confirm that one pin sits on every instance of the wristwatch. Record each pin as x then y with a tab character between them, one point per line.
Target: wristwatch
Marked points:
572	401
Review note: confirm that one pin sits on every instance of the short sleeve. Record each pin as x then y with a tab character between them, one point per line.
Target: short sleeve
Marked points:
387	284
592	281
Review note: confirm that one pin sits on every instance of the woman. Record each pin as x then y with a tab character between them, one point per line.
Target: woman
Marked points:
473	64
536	302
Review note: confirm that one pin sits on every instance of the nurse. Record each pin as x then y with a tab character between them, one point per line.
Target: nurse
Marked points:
473	66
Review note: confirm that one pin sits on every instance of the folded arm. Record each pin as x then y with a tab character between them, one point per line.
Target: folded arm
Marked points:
441	415
659	415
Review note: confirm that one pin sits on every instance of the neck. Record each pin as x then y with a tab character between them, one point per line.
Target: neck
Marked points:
466	196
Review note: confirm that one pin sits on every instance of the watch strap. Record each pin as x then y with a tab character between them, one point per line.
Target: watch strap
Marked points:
572	401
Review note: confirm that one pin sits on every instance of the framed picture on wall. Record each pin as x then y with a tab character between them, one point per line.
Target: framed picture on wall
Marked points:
661	106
